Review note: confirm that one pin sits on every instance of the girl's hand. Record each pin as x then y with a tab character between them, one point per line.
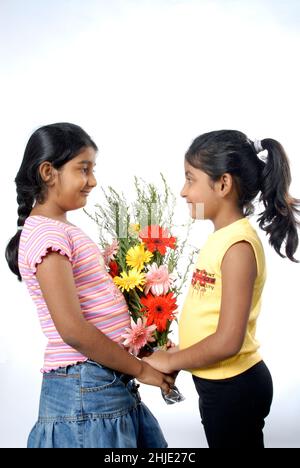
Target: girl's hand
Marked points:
160	360
150	376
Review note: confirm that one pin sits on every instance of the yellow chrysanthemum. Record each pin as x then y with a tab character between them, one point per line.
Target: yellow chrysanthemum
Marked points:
137	256
132	279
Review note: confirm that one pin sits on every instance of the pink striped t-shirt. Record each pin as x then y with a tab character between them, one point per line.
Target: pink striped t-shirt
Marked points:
101	302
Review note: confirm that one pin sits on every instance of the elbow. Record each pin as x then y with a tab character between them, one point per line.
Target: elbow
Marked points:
233	348
230	347
71	341
80	336
72	338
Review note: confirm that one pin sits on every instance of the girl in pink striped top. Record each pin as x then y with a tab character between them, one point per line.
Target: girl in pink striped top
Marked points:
88	378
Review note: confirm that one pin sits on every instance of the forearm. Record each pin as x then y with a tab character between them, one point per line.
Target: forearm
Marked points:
94	344
207	352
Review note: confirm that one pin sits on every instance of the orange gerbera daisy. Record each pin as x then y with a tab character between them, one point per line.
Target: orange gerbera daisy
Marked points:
157	238
159	310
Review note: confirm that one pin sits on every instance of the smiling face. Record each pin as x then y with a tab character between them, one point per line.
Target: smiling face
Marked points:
200	193
69	186
75	180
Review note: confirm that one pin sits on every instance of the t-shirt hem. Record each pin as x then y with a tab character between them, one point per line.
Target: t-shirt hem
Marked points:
46	370
227	371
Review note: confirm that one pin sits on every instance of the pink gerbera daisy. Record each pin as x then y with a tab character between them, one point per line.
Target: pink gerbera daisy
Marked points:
138	335
110	251
158	280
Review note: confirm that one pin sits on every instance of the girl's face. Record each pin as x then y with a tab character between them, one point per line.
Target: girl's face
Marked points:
199	193
74	181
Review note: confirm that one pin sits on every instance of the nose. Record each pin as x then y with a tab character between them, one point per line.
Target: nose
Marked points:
92	181
183	192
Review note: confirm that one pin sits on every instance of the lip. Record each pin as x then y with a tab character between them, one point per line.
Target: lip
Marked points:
86	192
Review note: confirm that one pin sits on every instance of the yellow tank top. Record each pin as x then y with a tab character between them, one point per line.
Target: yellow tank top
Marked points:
200	314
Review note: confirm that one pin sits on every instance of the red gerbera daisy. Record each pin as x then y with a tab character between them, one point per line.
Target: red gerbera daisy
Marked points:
159	309
113	268
157	238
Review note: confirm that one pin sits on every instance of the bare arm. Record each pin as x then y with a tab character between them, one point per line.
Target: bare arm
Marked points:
238	277
55	277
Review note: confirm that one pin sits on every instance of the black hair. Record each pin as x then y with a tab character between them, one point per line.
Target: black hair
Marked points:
57	143
230	151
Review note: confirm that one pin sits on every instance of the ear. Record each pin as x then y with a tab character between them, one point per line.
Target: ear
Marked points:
47	173
225	184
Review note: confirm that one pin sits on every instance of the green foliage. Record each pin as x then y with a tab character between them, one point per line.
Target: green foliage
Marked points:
152	206
120	219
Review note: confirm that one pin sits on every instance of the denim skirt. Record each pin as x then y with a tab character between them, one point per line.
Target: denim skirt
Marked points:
88	405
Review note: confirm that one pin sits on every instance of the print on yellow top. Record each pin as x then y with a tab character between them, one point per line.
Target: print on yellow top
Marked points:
202	281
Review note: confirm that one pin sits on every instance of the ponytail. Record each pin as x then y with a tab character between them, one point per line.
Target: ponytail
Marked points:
231	151
279	219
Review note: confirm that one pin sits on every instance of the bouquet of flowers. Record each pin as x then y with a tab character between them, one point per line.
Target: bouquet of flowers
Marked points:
143	256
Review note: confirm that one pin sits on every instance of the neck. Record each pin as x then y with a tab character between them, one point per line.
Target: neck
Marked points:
226	217
49	212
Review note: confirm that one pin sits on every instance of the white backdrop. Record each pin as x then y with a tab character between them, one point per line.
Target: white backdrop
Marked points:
144	78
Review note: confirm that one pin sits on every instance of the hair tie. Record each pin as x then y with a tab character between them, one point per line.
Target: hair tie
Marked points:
19	228
257	145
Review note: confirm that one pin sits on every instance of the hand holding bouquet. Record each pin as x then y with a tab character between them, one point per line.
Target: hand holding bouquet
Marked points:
142	256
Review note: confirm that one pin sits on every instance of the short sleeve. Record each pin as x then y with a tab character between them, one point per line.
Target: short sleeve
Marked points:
46	238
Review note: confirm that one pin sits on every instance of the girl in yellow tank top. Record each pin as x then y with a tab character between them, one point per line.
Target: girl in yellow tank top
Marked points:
225	172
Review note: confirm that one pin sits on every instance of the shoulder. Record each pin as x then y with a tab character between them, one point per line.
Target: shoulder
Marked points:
239	271
41	229
42	234
240	256
36	222
242	242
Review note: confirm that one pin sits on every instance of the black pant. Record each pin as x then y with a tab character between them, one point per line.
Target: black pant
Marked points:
233	410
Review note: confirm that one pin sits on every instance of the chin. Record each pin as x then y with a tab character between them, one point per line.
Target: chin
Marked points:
196	210
197	214
77	206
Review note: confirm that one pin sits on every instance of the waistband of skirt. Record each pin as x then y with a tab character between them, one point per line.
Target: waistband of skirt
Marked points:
75	368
